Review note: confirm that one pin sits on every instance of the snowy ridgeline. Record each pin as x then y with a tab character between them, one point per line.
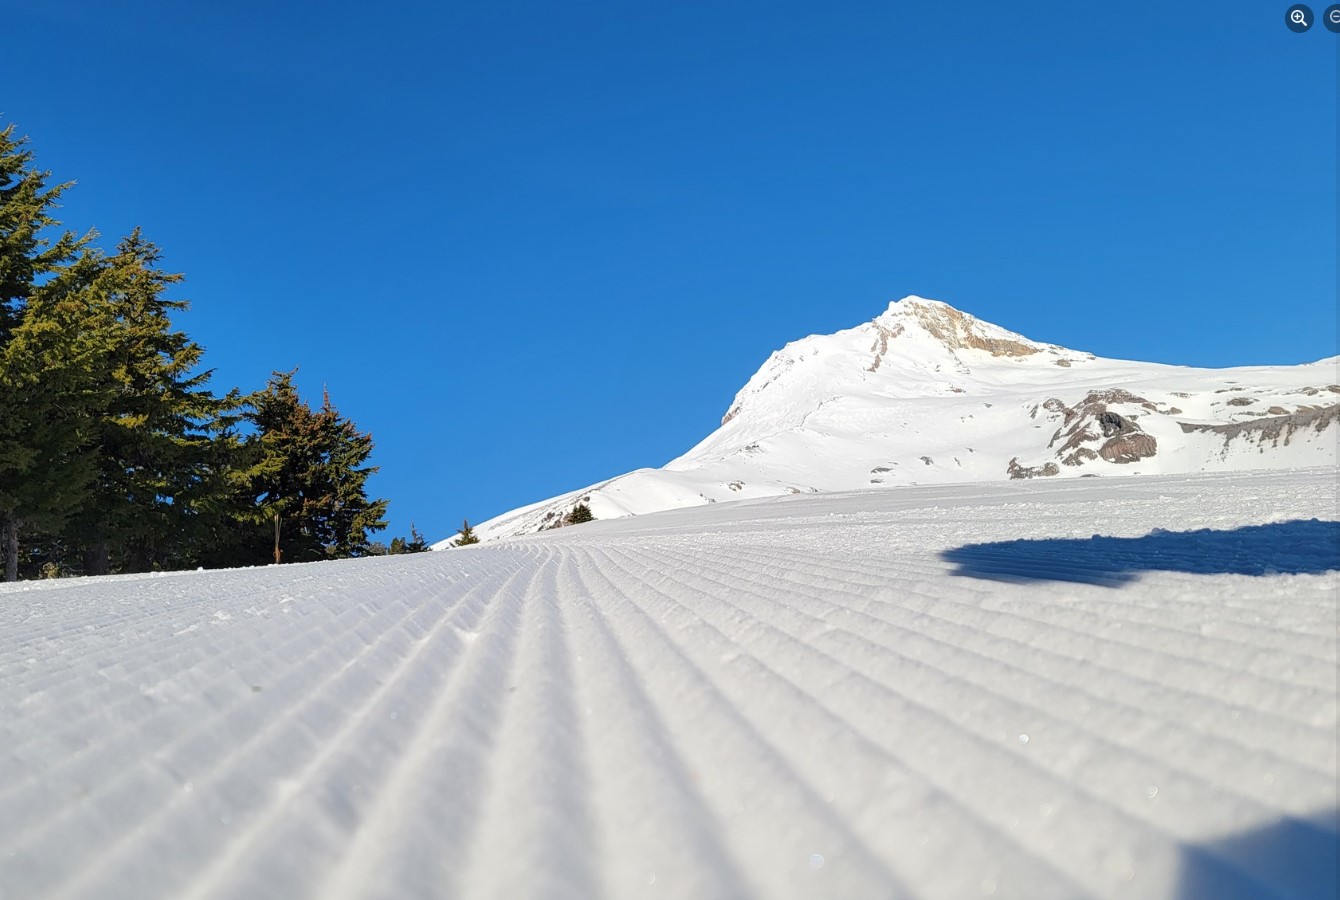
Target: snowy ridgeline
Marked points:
1034	689
926	394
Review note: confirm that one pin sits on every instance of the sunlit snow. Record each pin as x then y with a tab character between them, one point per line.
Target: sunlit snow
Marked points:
850	695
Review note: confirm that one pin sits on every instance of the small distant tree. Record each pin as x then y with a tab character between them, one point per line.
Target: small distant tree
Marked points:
467	535
415	544
579	514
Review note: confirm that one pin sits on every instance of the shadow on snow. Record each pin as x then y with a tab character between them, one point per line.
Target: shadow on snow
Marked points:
1294	857
1304	546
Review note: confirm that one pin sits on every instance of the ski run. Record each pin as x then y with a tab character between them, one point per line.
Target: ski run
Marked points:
1051	688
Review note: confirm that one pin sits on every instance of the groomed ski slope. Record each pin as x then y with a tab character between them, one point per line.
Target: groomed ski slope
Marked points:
864	695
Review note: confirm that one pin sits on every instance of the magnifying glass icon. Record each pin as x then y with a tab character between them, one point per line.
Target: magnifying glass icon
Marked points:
1297	17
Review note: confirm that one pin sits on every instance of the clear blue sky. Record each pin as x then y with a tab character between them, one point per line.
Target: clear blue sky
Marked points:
534	245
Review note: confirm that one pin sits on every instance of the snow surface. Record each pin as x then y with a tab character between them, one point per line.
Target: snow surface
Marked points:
926	394
1033	689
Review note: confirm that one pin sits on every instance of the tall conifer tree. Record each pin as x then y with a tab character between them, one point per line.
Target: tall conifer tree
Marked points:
37	432
312	486
163	436
51	392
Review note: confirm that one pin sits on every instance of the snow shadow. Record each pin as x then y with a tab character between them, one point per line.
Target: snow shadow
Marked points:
1297	858
1302	546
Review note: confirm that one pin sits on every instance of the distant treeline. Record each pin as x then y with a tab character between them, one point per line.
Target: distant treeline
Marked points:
116	453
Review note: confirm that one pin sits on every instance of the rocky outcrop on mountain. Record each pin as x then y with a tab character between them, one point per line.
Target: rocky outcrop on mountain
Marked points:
1017	471
959	331
1276	430
883	334
1092	429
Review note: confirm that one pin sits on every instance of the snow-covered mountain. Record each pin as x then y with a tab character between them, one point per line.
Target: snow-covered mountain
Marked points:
928	394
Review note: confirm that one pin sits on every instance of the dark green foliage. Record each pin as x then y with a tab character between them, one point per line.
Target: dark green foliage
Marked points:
165	444
579	513
28	252
415	544
311	476
48	397
48	353
115	454
467	535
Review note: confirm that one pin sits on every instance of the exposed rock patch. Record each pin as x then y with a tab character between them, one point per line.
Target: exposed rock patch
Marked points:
1277	430
1129	448
883	334
1080	456
1019	472
960	331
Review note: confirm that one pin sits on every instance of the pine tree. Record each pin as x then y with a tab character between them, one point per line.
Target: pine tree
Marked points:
28	251
50	394
311	482
167	446
352	515
417	543
578	514
467	535
41	471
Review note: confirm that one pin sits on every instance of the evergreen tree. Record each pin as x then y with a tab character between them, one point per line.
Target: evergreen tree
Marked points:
579	513
467	535
114	452
42	472
311	478
50	394
167	446
28	252
417	543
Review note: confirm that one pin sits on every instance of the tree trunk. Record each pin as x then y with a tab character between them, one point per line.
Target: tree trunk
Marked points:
96	559
11	541
277	554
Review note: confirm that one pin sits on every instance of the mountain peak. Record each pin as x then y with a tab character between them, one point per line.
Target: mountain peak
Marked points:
953	328
912	300
926	393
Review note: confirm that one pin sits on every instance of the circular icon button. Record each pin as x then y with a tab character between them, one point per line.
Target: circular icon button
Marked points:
1331	18
1298	18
